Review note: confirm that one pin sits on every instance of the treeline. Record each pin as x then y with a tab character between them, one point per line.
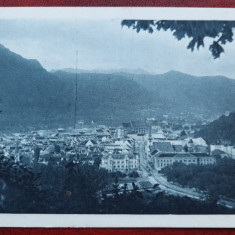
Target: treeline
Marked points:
217	180
82	188
220	131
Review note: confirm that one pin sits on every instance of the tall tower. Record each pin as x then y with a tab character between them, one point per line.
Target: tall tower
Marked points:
76	92
150	132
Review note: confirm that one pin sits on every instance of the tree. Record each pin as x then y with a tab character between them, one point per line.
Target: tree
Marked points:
197	31
134	174
97	162
21	188
36	156
124	188
116	188
57	148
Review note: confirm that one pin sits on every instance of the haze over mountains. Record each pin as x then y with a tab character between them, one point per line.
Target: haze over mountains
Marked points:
32	96
109	71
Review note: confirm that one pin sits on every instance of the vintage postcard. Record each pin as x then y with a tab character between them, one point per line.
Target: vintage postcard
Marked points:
117	117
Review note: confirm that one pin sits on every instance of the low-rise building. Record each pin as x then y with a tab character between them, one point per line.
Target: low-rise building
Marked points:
121	162
220	153
136	127
196	145
165	159
230	150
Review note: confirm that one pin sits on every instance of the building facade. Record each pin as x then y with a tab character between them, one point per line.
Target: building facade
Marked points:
121	162
166	159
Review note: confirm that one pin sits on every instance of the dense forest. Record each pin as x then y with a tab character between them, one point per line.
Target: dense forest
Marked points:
81	188
220	131
217	180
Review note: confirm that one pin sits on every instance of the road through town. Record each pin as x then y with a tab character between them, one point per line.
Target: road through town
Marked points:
156	178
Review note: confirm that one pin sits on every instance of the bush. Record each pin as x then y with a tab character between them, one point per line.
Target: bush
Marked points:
217	179
134	174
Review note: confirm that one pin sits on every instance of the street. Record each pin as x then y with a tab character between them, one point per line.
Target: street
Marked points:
156	178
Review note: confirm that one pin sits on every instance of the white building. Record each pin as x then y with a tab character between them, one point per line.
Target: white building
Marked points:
121	162
165	159
230	150
196	145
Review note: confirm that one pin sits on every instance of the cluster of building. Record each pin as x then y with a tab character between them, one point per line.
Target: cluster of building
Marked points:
165	146
119	149
188	151
81	145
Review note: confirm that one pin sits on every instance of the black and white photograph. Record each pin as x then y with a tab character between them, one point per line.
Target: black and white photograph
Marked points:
117	115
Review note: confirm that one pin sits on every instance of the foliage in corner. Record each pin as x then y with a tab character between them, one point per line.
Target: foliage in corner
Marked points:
197	31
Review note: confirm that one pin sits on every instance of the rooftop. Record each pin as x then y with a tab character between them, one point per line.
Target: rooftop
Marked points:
162	147
120	156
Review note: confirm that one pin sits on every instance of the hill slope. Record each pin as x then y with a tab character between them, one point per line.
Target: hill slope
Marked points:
184	92
31	96
220	131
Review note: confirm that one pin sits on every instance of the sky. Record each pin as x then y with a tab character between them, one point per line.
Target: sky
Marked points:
105	44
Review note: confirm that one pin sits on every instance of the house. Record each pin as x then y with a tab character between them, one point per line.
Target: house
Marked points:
158	136
139	127
218	152
230	150
164	147
162	160
120	162
196	145
135	127
120	133
205	159
159	147
89	143
121	146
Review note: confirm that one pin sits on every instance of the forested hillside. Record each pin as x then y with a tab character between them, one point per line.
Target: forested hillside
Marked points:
220	131
31	96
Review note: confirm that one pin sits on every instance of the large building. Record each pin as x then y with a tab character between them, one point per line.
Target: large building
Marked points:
135	127
196	145
121	162
165	159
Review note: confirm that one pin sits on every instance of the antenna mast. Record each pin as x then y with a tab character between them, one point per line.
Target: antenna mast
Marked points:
76	92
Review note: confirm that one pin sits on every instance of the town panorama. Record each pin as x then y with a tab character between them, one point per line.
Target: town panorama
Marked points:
109	140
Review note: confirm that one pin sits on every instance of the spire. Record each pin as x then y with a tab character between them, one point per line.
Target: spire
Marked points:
76	92
150	133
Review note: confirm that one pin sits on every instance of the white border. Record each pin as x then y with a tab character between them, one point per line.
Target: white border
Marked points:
163	13
117	221
99	221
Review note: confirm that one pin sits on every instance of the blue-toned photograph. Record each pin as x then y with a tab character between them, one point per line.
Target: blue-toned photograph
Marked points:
108	116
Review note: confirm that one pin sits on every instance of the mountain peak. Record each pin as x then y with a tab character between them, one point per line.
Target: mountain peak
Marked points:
2	47
175	73
9	59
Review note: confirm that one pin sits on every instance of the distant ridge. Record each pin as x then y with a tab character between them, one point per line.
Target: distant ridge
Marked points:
110	71
139	71
33	96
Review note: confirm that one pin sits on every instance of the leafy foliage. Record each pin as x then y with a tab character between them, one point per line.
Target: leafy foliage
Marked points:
70	188
220	131
82	188
22	193
197	31
160	203
217	180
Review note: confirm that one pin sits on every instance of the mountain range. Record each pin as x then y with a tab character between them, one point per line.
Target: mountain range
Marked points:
32	96
103	71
